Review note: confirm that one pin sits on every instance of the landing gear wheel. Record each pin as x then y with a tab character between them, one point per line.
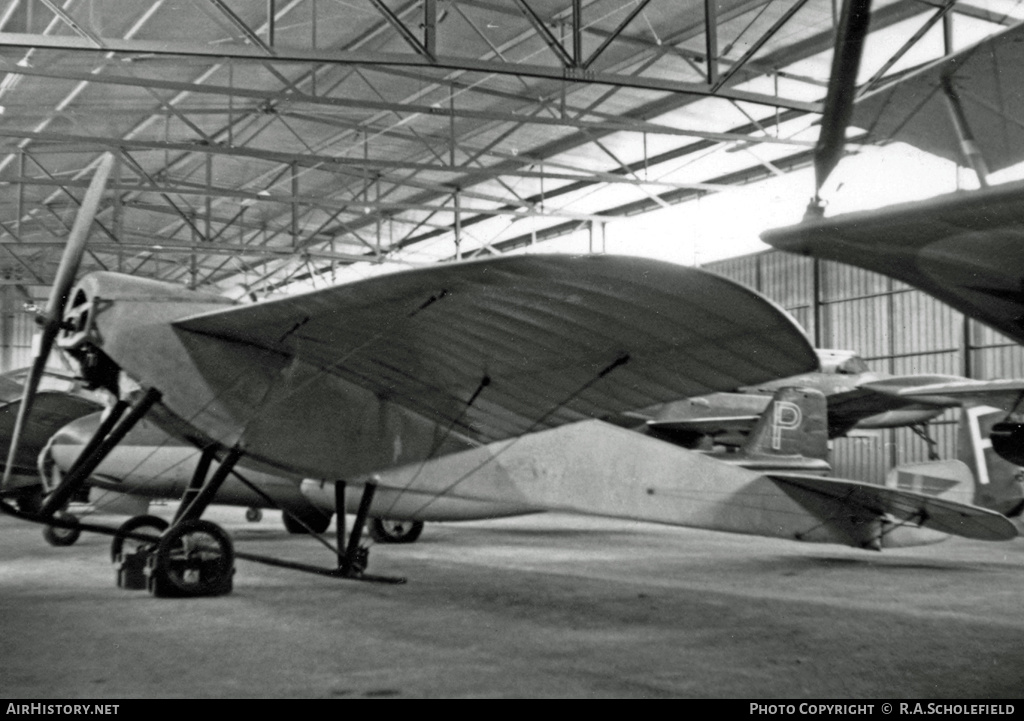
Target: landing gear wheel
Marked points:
317	523
194	558
383	530
253	515
57	536
135	523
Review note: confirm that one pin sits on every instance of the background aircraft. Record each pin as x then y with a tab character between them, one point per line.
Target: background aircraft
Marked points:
60	400
963	248
858	399
999	483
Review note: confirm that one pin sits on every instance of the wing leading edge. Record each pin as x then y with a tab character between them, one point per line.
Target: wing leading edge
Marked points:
505	346
963	248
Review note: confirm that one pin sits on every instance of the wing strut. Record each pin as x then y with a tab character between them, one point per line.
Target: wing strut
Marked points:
353	557
101	447
484	382
968	145
352	562
853	28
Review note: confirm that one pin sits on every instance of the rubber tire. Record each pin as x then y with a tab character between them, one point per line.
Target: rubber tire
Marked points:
57	536
383	530
171	544
318	523
253	515
135	523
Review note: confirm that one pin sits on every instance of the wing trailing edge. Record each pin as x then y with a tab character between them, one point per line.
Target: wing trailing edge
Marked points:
940	514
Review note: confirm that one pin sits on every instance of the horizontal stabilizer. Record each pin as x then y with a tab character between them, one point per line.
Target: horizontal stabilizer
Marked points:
948	479
708	426
939	514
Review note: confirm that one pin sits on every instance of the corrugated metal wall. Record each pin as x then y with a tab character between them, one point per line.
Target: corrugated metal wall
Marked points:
895	328
17	325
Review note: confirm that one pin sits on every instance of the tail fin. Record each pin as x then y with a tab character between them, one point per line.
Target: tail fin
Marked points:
999	484
795	423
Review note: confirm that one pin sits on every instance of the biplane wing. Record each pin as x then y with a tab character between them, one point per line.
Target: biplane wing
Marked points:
989	91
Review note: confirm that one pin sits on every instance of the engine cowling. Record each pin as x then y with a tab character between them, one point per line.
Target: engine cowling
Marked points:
1008	441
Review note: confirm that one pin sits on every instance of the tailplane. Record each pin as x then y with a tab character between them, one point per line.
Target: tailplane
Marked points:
951	480
998	484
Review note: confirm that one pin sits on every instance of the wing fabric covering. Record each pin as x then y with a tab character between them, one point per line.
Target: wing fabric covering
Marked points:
990	87
964	249
501	347
939	514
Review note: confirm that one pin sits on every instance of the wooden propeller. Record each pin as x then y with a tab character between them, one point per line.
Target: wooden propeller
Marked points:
50	318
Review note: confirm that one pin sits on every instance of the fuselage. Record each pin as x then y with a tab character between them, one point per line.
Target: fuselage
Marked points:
152	463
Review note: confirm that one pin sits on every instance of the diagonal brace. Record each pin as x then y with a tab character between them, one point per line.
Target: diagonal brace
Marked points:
209	489
83	468
348	564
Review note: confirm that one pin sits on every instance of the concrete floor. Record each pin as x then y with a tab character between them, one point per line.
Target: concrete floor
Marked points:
549	606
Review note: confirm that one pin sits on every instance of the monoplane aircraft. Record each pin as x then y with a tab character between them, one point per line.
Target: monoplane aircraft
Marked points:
858	399
477	380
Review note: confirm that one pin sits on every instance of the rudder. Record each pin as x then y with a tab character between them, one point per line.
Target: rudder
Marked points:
795	423
997	482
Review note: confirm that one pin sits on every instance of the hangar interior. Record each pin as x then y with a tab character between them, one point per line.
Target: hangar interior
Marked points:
268	147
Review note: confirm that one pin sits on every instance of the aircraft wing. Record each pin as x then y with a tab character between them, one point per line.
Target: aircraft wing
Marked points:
708	426
1002	394
962	248
940	514
990	86
881	403
515	344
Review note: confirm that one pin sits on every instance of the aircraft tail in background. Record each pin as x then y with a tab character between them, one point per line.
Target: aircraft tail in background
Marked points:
998	484
792	429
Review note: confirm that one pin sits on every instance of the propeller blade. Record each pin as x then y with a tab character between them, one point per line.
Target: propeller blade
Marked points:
51	317
853	28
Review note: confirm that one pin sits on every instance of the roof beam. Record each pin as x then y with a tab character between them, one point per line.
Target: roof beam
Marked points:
243	53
